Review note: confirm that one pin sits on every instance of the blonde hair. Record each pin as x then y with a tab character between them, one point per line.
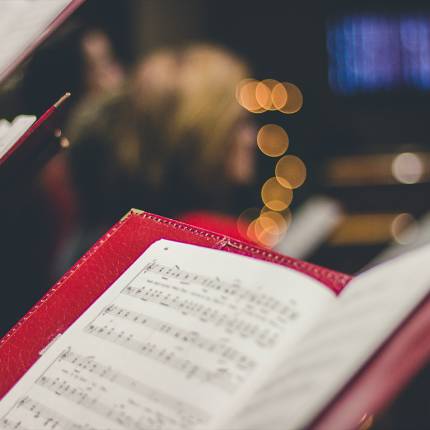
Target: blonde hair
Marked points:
187	97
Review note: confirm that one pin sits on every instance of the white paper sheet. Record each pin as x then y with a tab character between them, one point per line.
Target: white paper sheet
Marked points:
21	22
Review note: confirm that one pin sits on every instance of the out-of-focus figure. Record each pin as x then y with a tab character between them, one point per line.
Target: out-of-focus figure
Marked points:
38	214
173	140
102	71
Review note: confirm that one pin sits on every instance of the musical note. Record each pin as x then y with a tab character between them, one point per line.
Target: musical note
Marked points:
188	412
189	337
151	350
232	324
79	396
7	424
227	289
46	417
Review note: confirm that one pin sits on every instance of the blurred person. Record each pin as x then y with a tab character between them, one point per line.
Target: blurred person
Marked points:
174	140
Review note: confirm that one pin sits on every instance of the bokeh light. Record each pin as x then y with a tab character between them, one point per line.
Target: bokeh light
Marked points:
245	219
279	96
264	231
269	228
286	214
407	168
263	93
290	171
272	140
275	196
246	95
404	229
294	99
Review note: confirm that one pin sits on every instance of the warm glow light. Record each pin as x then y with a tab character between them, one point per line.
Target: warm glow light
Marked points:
245	219
272	140
246	95
294	99
268	229
275	196
279	96
263	93
404	229
407	168
286	215
290	171
277	218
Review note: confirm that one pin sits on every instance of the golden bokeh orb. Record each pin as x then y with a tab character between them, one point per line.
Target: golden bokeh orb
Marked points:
294	100
263	93
272	140
279	96
290	172
246	95
404	229
275	196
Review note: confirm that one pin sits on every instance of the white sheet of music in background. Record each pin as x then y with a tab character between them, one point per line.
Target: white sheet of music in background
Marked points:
21	23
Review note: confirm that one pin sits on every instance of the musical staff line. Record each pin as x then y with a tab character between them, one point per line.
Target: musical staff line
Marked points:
190	412
232	324
50	417
78	396
223	287
6	424
190	337
219	378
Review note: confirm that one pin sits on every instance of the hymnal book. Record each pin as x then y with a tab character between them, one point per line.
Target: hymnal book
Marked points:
25	24
165	326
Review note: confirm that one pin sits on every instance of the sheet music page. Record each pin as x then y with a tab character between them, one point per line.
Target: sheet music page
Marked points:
177	342
366	313
10	133
21	22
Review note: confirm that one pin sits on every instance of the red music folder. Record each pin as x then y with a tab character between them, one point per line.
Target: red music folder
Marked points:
367	379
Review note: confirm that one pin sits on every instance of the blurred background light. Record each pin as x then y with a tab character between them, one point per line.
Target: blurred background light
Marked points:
407	168
294	101
245	219
290	171
279	96
365	228
263	93
272	140
268	229
246	95
376	52
404	229
275	196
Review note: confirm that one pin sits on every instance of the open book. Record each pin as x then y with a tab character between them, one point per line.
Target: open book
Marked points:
196	338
